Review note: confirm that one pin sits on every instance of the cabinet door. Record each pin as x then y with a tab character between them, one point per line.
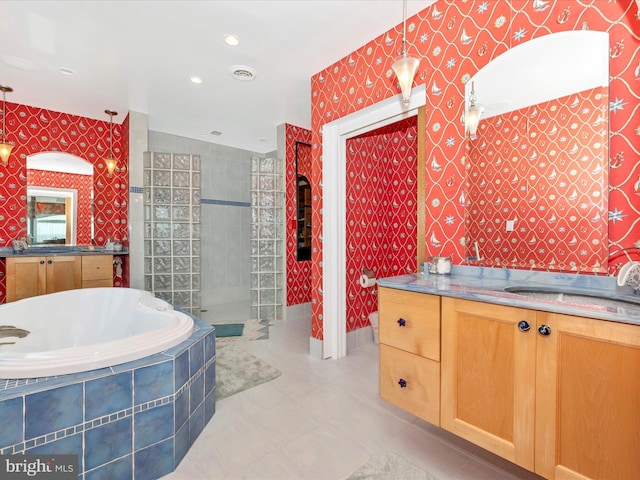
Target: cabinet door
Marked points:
410	321
97	271
63	273
26	277
488	377
588	399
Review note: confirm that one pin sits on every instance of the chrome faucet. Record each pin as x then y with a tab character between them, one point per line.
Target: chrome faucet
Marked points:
11	331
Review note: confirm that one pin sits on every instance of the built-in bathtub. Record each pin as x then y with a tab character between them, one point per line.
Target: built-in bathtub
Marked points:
135	419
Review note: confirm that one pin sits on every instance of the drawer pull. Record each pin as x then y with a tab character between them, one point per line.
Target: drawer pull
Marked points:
49	262
403	383
544	330
41	262
524	326
402	322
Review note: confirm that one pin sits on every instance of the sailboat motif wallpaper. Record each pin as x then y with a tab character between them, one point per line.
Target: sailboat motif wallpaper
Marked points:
454	39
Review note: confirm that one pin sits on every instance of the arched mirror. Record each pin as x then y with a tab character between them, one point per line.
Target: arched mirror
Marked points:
59	199
303	201
537	171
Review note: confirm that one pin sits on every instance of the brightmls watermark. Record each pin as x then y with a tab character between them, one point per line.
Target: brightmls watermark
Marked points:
38	467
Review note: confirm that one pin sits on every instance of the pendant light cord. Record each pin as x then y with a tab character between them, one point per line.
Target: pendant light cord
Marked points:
4	117
404	28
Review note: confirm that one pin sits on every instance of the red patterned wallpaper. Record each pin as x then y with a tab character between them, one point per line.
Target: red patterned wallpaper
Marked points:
545	167
455	39
82	183
381	211
33	130
298	273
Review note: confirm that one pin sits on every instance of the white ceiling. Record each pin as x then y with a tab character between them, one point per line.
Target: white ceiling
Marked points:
138	55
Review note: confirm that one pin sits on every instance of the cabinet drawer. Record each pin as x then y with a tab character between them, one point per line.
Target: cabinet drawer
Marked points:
98	267
410	321
421	393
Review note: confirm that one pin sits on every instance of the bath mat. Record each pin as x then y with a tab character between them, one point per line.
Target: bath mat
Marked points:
229	330
389	466
237	370
253	330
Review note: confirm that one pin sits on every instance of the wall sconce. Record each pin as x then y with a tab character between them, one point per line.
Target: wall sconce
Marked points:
405	67
5	148
472	115
110	162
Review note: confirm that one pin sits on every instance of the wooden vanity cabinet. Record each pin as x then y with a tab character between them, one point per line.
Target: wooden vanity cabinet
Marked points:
488	377
31	276
97	271
587	399
409	333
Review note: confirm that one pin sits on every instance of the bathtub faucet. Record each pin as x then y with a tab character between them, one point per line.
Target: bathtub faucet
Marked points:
11	331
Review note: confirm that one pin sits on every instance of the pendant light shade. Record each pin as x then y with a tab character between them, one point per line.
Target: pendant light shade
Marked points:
405	67
472	116
5	148
110	162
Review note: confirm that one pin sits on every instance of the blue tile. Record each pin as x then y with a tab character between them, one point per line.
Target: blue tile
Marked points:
150	383
182	443
209	406
53	410
121	469
196	357
210	345
107	442
141	362
108	395
196	424
152	425
182	408
196	392
182	369
65	446
12	424
210	378
155	461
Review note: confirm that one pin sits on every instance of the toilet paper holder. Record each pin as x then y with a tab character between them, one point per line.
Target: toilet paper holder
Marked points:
367	279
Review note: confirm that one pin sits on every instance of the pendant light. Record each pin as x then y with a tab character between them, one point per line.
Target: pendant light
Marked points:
5	148
405	67
110	162
472	117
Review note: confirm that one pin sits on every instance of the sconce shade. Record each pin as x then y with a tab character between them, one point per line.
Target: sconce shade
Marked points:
5	151
111	164
472	119
405	68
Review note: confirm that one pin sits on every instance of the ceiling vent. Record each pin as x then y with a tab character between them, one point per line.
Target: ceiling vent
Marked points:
242	73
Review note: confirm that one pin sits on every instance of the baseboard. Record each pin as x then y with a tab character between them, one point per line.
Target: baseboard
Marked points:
316	348
359	337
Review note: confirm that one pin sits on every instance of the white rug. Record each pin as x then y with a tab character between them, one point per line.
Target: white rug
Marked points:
237	370
389	466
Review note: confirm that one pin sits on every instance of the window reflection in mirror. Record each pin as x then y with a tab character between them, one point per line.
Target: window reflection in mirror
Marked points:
303	201
50	174
51	216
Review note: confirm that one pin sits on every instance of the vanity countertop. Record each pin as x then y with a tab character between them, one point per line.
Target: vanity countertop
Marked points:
488	284
6	252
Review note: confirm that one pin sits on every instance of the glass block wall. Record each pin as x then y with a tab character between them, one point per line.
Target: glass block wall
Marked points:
172	228
267	233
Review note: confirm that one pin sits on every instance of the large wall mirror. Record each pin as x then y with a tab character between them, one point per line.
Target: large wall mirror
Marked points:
303	201
537	171
59	199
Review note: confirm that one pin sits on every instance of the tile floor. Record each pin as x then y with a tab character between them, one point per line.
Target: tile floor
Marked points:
322	420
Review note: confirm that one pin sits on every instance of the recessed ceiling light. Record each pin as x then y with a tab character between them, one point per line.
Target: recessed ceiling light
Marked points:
242	73
67	71
19	63
195	79
231	40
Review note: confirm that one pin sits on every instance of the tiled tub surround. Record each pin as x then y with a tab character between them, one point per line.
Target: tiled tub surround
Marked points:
488	284
136	420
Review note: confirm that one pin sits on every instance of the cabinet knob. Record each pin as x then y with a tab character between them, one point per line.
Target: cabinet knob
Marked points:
402	322
524	326
41	262
49	262
403	383
544	330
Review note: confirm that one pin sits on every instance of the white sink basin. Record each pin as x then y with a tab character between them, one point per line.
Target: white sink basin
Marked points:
576	296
